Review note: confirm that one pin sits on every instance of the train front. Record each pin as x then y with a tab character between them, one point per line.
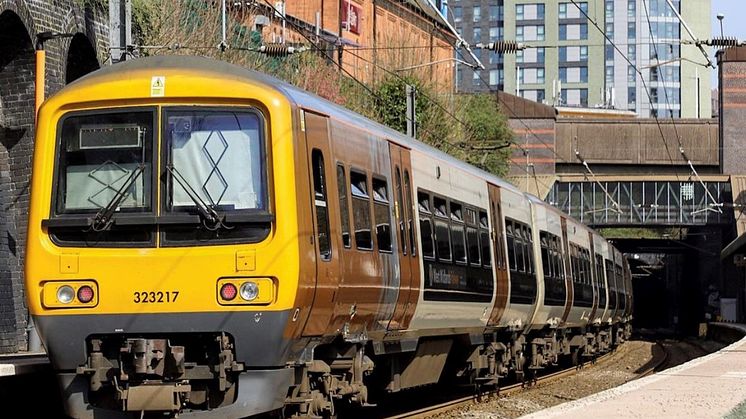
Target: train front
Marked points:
156	273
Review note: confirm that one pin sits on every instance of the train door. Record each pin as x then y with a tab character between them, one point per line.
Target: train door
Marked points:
568	270
500	258
594	277
409	266
325	235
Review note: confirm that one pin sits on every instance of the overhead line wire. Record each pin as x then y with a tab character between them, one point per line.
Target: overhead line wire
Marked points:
530	130
644	84
670	110
637	70
373	94
302	33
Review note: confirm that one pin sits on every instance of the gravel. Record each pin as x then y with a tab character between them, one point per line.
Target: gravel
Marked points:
622	366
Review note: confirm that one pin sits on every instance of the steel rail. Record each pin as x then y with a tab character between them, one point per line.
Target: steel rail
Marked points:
515	388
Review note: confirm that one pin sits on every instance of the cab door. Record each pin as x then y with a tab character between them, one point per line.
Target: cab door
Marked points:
323	201
409	266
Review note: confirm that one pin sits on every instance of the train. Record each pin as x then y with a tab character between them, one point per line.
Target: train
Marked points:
208	240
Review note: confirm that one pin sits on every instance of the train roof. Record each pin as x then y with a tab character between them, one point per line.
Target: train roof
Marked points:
179	64
183	64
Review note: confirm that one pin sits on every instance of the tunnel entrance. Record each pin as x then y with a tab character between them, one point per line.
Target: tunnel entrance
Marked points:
675	274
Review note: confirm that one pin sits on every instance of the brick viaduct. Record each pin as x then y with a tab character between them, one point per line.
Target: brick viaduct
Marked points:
67	60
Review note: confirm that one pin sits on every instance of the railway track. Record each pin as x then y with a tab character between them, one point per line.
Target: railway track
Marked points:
660	357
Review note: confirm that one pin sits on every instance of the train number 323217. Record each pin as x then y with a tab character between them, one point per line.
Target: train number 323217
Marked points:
155	296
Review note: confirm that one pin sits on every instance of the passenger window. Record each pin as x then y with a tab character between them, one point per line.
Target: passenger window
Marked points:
423	202
486	254
459	243
440	208
402	212
512	258
456	212
443	240
483	222
528	240
472	240
545	255
485	238
426	232
344	211
408	211
322	213
382	214
457	233
471	217
361	210
520	249
426	225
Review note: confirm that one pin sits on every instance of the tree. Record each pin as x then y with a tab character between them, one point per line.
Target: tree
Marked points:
468	127
474	130
488	134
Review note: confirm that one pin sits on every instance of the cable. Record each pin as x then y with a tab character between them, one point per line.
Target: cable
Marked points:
637	70
530	131
302	33
431	100
444	109
372	93
673	120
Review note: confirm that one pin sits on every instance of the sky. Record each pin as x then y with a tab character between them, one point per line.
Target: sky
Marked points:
733	23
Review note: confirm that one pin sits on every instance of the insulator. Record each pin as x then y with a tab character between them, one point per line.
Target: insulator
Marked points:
505	46
275	50
724	42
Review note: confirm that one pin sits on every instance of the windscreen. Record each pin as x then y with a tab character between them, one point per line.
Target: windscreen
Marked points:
101	154
219	156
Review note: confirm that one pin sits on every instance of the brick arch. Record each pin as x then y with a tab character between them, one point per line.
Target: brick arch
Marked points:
16	133
81	21
21	10
81	58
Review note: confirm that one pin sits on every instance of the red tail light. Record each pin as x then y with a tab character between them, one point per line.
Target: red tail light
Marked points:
228	292
85	294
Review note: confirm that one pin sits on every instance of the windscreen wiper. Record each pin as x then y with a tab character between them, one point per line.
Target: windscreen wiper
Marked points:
210	217
103	219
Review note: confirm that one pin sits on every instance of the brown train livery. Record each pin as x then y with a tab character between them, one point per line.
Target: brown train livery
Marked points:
255	247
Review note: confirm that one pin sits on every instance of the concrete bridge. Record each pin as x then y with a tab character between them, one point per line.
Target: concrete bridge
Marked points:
607	168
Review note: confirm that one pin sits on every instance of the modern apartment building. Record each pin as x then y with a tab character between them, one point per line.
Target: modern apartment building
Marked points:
678	83
572	64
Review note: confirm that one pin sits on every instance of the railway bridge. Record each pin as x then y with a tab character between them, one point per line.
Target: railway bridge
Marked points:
84	48
670	193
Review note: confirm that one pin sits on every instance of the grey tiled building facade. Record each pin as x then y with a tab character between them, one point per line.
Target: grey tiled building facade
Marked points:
480	21
571	63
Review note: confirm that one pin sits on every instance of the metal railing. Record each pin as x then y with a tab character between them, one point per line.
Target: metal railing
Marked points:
645	203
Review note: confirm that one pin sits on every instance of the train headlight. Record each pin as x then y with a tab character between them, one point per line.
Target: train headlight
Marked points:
249	291
65	294
76	293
